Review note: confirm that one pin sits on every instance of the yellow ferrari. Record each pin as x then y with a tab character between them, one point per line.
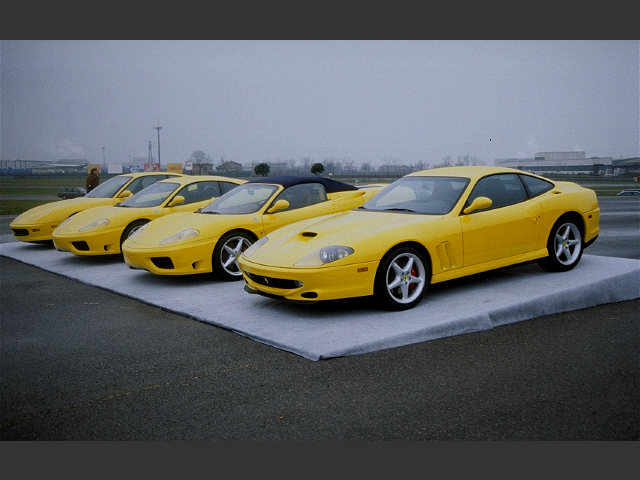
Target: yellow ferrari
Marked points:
37	224
210	240
102	230
425	228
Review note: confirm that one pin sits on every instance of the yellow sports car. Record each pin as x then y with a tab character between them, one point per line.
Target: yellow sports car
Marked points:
211	239
37	224
102	230
425	228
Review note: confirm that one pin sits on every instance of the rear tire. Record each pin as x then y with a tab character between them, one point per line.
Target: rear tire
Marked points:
402	278
564	246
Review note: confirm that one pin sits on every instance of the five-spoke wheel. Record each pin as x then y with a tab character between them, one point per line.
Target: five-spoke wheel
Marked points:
402	278
564	246
226	253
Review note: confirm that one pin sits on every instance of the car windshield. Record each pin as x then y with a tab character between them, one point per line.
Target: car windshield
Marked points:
109	188
426	195
247	198
151	196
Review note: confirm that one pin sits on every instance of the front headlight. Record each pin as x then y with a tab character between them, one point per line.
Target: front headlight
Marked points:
136	231
255	246
97	224
66	220
324	255
179	237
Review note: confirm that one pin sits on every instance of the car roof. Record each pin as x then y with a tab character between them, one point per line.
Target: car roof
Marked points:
143	174
184	179
330	185
469	171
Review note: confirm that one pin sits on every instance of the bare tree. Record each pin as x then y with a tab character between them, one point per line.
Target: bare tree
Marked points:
468	160
200	157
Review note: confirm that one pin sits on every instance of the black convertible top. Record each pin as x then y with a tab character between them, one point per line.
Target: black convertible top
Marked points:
330	185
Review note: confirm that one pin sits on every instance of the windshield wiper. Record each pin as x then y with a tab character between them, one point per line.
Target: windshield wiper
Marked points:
399	210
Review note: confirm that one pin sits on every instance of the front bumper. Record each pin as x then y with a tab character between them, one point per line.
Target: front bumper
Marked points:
33	232
102	243
177	260
309	284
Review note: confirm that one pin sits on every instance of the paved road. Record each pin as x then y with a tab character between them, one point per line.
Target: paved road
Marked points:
81	363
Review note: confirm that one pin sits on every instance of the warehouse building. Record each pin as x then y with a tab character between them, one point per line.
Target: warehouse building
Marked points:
548	163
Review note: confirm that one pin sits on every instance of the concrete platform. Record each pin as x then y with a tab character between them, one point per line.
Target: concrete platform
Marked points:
352	327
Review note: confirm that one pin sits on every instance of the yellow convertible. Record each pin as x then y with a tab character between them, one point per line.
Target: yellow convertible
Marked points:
102	230
37	224
210	240
425	228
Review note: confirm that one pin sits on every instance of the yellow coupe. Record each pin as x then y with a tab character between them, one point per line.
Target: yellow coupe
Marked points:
37	224
210	240
102	230
425	228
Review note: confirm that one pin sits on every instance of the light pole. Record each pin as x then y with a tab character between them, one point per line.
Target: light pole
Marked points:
158	129
104	163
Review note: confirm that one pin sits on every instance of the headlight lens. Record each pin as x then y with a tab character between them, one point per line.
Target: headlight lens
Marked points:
66	220
102	222
255	246
325	255
137	231
179	237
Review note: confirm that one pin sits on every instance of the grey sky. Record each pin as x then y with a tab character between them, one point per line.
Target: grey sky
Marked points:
370	101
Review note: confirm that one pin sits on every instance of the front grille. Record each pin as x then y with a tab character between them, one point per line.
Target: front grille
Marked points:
274	282
81	246
20	232
162	262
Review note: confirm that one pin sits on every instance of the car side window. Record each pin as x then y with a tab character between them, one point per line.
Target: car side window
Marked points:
197	192
502	189
303	195
226	186
143	182
536	186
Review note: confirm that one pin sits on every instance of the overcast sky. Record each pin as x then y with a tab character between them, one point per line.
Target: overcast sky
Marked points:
369	101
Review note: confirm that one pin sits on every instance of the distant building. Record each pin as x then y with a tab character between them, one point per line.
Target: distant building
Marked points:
229	167
202	168
561	162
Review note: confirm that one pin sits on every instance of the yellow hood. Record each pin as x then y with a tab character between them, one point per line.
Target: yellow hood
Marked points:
59	210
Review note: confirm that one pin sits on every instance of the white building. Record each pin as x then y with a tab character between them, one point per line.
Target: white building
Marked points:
560	162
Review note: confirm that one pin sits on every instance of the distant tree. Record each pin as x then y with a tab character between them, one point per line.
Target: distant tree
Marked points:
201	163
468	160
199	157
262	169
317	168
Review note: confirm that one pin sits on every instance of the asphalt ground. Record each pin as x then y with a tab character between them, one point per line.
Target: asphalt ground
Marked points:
83	364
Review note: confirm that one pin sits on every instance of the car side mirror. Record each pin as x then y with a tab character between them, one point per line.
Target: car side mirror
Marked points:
125	194
478	203
279	205
176	200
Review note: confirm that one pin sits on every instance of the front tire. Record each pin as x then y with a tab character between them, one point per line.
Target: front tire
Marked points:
226	252
564	246
402	278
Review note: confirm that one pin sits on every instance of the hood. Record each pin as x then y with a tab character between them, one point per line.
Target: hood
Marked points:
210	226
116	215
364	231
58	211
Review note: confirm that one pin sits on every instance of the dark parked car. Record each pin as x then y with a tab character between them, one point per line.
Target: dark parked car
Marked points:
71	192
629	191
